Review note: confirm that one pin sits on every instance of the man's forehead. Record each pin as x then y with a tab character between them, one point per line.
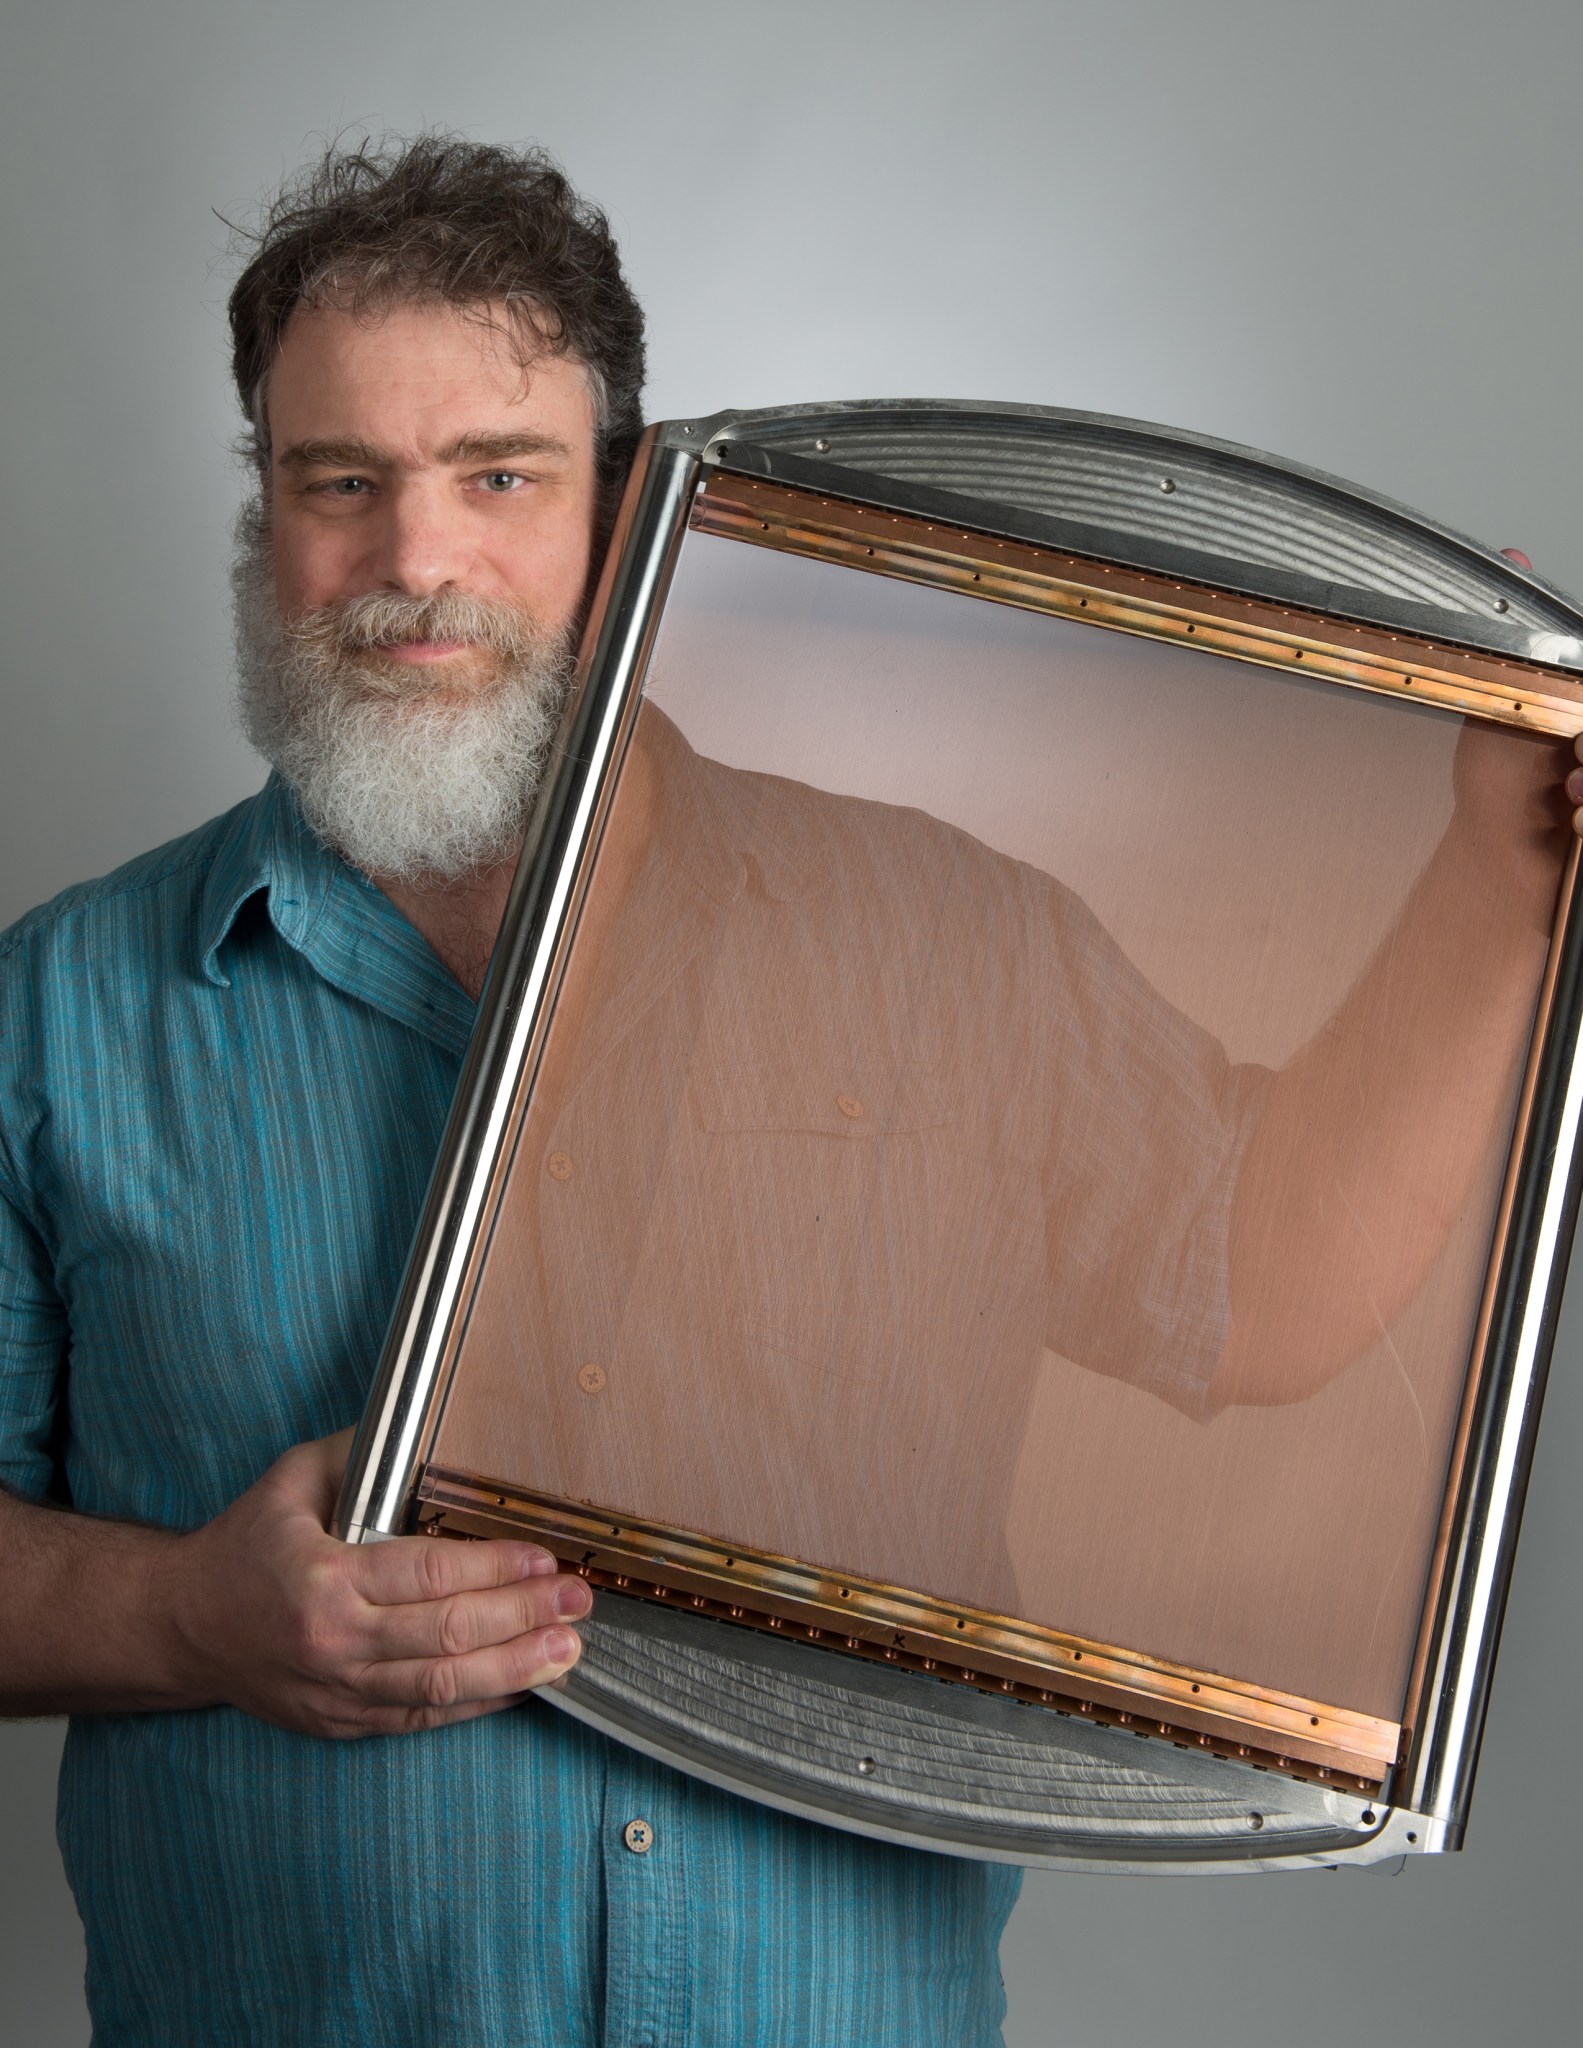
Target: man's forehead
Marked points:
423	381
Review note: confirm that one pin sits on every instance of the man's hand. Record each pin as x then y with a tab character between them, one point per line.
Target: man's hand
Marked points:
264	1610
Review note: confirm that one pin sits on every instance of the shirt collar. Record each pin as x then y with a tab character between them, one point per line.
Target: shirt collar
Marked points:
725	825
330	914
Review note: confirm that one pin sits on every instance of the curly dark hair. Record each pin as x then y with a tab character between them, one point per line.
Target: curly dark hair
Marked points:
464	223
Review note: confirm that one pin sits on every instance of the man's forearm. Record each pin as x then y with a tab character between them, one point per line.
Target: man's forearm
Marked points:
263	1609
1375	1132
82	1628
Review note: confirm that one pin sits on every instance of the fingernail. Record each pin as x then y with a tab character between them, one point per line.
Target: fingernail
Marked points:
538	1564
561	1646
573	1598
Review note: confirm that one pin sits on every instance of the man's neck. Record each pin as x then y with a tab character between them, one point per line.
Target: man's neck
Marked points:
460	920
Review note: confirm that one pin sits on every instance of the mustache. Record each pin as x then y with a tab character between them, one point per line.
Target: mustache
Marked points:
391	618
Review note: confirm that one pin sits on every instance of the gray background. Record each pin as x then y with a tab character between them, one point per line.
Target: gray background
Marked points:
1345	232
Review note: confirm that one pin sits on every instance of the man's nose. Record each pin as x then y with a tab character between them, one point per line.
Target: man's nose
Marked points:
423	542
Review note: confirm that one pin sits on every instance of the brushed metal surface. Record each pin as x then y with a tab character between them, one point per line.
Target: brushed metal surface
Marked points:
1225	501
795	1726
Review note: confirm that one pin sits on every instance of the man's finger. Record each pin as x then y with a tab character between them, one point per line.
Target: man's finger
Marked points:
446	1682
463	1622
431	1568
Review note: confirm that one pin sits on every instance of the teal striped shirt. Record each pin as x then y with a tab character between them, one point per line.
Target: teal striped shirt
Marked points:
223	1075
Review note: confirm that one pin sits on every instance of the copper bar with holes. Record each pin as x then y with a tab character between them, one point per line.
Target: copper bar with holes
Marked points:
1530	695
892	1622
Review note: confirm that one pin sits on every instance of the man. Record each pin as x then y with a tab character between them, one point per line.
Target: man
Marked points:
224	1074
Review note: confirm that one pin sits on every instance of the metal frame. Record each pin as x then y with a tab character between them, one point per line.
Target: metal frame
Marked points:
678	1711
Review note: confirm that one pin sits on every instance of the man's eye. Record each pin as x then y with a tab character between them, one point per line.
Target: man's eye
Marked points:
346	486
500	481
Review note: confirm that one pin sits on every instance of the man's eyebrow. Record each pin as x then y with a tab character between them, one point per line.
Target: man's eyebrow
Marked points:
501	447
331	454
350	453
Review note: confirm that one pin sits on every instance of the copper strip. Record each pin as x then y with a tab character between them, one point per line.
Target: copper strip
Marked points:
1525	694
996	1652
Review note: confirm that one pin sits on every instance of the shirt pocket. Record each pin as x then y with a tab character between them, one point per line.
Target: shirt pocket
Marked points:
826	1171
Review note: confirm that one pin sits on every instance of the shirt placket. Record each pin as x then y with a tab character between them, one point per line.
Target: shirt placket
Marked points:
644	1846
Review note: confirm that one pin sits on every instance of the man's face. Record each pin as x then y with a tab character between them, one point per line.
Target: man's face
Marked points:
408	591
411	454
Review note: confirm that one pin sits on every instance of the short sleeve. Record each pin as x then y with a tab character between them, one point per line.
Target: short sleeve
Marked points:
1149	1124
33	1339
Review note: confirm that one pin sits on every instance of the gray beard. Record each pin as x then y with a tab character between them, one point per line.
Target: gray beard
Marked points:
414	790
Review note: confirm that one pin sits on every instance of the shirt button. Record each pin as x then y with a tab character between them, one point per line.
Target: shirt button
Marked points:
591	1378
638	1836
560	1166
849	1106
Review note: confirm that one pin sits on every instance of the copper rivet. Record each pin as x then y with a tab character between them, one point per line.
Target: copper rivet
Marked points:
591	1378
559	1166
849	1106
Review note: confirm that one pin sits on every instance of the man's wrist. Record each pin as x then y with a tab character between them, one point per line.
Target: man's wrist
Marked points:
171	1637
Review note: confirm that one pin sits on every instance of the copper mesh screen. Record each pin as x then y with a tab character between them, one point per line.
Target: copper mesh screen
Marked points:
1024	1121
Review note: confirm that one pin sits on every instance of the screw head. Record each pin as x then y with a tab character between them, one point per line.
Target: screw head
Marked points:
1168	484
822	446
1502	605
1255	1821
865	1767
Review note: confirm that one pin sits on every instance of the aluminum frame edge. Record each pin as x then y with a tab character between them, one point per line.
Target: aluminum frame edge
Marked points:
1397	1832
403	1406
1437	1776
